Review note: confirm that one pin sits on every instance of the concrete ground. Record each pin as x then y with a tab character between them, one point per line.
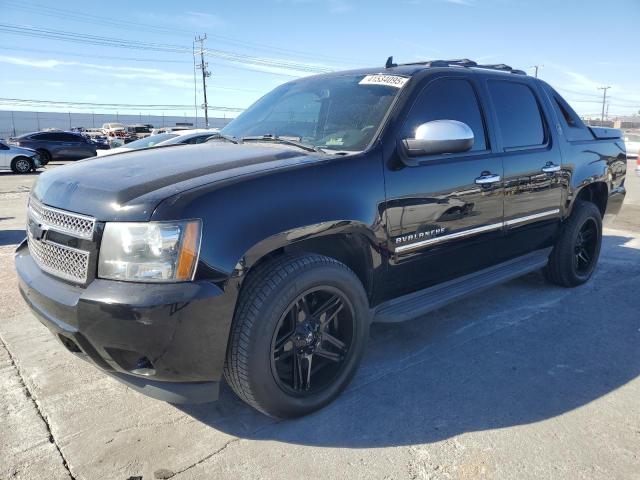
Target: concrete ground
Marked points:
524	381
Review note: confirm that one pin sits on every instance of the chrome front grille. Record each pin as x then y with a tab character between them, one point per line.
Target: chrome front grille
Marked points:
60	260
66	222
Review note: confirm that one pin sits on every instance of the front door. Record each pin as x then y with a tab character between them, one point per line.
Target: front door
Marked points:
444	213
4	156
532	164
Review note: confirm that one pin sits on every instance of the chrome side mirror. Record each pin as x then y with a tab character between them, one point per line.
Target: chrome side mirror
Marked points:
440	136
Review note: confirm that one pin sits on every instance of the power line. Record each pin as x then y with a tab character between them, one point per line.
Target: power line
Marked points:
31	102
152	60
125	24
157	47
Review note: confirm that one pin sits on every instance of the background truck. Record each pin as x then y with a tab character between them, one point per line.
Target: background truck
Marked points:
264	254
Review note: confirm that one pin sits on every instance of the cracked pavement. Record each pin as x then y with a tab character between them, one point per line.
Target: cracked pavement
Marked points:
526	380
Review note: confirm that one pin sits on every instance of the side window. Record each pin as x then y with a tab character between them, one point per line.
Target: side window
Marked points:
574	129
519	116
54	137
448	99
70	137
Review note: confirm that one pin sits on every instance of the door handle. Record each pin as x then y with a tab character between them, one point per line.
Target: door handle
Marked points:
487	179
551	168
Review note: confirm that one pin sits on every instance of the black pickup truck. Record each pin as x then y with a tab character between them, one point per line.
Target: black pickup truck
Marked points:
262	256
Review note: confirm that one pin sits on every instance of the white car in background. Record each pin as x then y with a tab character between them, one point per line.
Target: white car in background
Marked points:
18	159
176	137
158	130
632	142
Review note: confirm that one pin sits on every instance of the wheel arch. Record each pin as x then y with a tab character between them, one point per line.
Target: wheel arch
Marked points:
596	192
348	242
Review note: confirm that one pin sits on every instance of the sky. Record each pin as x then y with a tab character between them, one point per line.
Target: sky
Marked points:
138	56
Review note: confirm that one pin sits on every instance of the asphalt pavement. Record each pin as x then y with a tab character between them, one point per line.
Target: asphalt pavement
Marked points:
526	380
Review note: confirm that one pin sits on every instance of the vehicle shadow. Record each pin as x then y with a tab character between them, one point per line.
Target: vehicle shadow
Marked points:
22	175
11	237
517	354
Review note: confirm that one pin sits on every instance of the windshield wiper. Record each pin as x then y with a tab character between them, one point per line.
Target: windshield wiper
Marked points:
222	136
284	140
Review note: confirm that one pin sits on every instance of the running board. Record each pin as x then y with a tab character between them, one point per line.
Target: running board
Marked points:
418	303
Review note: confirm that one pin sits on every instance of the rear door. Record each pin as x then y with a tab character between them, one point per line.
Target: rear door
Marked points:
532	163
444	213
74	146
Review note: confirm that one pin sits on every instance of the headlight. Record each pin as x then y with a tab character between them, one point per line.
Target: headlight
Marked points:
150	251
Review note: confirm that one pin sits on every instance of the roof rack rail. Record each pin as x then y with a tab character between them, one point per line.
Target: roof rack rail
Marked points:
465	62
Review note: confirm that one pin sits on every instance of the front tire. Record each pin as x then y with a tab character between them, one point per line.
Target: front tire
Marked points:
298	335
22	165
45	156
575	255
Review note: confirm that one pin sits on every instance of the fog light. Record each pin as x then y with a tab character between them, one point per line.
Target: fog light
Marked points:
144	367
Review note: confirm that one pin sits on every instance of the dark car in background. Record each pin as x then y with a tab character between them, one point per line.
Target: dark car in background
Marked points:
139	130
57	145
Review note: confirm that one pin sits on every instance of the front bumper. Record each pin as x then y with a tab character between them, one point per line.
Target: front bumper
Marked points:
166	340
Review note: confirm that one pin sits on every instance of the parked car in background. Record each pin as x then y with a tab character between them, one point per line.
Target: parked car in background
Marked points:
632	142
113	127
139	130
156	131
18	159
173	138
57	145
191	137
101	142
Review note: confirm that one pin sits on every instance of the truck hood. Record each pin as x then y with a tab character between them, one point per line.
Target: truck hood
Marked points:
129	186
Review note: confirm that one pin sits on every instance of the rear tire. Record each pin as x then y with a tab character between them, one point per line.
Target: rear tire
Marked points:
22	165
575	254
45	156
286	358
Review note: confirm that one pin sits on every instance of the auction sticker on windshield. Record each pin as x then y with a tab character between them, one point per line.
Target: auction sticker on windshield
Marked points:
387	80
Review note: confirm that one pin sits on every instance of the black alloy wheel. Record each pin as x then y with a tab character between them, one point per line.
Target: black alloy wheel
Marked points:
312	341
575	254
298	334
585	246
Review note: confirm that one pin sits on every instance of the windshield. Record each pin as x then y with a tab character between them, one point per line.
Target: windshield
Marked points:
337	113
147	142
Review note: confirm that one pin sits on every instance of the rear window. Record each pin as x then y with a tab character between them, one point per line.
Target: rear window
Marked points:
574	129
519	117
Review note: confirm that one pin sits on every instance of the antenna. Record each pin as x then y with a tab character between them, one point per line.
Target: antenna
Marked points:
390	63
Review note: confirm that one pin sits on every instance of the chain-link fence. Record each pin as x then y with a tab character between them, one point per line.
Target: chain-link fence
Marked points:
14	123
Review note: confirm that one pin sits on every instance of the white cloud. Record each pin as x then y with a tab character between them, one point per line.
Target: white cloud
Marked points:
466	3
172	79
30	62
339	6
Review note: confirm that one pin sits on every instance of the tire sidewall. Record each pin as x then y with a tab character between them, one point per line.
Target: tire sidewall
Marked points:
45	156
264	386
18	160
586	212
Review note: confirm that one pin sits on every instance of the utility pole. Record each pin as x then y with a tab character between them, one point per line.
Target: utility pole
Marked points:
536	67
203	66
604	99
